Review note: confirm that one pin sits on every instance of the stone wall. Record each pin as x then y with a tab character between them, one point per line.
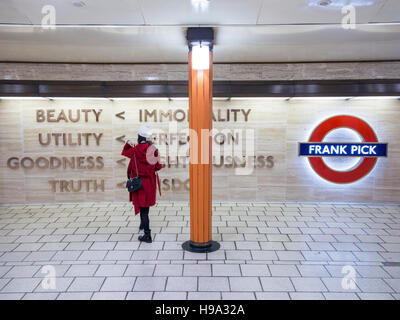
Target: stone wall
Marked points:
148	72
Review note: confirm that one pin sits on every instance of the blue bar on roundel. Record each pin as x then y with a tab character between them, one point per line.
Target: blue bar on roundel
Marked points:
321	149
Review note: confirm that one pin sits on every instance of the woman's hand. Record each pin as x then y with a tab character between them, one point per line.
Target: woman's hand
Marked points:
130	143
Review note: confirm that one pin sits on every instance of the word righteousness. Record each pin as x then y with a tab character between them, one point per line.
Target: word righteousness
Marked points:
180	115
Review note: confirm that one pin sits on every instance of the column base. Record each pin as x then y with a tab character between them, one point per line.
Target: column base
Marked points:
200	248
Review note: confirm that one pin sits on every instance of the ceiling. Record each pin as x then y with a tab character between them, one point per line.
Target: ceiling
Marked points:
151	31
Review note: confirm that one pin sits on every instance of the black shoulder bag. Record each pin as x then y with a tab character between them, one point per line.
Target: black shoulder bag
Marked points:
134	184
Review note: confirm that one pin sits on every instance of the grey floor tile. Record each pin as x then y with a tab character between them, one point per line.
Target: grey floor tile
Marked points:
112	270
264	255
22	272
75	296
144	255
66	255
290	255
60	285
40	296
103	245
340	296
225	270
342	256
339	285
394	284
150	284
168	270
282	270
126	245
238	255
245	284
109	296
11	296
85	270
118	255
170	296
181	284
393	271
118	284
272	296
308	284
4	270
316	256
92	255
3	282
313	271
375	296
204	295
85	284
197	270
21	285
255	270
276	284
372	272
139	296
369	285
213	284
238	296
13	256
306	296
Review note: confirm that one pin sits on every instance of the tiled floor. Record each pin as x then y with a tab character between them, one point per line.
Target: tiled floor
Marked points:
268	251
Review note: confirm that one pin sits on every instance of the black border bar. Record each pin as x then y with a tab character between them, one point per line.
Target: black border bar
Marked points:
124	89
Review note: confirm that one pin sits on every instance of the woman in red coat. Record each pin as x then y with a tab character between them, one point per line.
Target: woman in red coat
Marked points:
148	163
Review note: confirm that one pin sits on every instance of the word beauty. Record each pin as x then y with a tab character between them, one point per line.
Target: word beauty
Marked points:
52	115
343	149
369	150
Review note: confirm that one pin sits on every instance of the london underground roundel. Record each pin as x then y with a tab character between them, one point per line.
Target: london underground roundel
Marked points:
369	149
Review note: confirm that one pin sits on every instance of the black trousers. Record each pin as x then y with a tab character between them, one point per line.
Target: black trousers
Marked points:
144	218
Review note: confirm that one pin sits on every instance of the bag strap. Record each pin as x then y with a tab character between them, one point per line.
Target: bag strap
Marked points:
134	156
158	183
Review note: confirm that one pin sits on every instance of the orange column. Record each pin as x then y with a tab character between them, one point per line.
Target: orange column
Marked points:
200	124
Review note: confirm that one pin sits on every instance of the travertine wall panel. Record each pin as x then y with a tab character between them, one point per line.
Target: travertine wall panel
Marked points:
34	169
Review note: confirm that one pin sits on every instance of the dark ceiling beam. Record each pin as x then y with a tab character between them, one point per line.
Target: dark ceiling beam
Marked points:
317	88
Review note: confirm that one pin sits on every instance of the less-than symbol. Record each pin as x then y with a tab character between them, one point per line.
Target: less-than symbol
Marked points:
120	115
120	139
121	161
121	185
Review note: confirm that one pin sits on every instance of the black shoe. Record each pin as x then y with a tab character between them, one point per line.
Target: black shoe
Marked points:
141	227
146	237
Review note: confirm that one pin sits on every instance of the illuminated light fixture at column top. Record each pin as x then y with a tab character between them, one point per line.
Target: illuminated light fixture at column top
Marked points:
200	41
201	57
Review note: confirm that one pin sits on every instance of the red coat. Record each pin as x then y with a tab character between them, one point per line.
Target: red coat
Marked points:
148	162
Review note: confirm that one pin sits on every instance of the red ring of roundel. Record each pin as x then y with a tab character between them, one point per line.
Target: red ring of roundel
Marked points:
343	121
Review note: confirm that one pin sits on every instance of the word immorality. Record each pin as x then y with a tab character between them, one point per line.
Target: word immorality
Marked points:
179	115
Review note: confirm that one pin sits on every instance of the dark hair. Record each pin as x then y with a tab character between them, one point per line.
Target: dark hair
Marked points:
143	140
